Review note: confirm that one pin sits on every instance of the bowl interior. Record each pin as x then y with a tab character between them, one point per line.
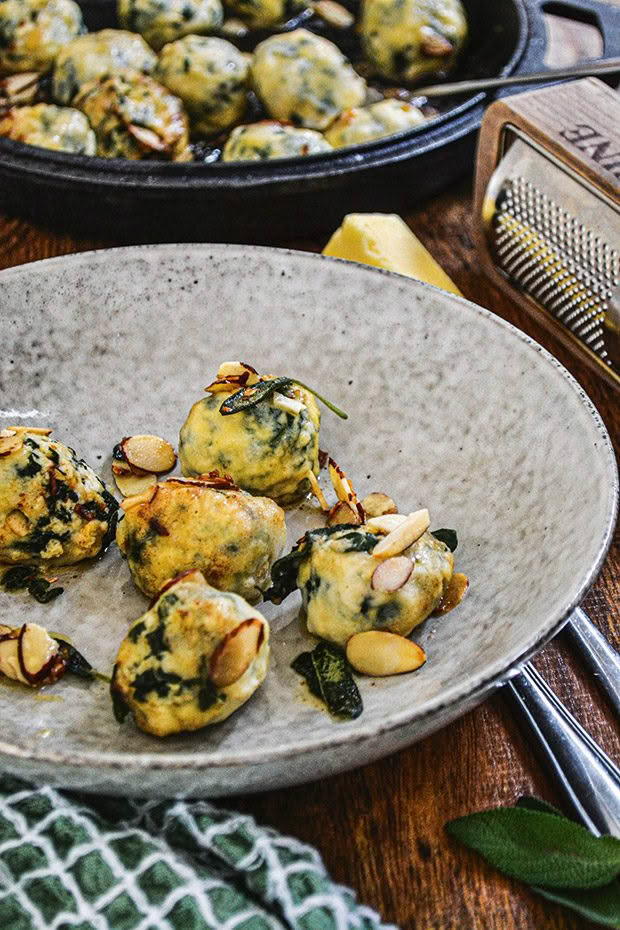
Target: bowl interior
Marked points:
449	408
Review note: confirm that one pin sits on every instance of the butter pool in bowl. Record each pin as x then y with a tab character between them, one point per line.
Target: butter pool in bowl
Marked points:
449	408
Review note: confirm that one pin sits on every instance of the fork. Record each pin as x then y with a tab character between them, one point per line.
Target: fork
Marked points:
588	778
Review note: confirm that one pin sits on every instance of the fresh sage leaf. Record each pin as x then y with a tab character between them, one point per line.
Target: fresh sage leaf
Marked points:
537	804
328	675
448	537
250	396
540	848
600	905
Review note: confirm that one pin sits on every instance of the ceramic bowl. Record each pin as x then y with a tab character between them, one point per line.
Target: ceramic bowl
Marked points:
449	408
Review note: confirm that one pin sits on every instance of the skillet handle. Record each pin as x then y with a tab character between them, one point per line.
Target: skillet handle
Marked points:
604	15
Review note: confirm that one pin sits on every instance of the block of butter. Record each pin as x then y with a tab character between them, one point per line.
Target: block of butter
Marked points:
385	241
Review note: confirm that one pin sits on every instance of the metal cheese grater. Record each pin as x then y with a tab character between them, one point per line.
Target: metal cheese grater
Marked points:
548	212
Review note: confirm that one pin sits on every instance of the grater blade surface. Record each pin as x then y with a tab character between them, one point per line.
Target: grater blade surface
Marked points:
557	240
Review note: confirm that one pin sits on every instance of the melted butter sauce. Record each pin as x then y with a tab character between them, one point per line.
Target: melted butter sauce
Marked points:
453	595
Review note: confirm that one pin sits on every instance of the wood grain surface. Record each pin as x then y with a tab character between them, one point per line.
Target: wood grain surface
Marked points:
380	829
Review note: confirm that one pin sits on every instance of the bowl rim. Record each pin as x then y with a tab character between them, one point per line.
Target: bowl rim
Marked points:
467	694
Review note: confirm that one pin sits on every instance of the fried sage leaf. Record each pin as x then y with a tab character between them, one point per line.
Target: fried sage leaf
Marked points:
448	537
329	677
250	396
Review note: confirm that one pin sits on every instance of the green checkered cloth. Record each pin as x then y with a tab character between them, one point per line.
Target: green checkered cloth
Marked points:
74	862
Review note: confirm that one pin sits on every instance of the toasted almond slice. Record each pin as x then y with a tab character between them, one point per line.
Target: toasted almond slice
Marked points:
386	523
121	468
453	594
9	431
19	89
234	28
11	442
317	491
223	386
150	453
391	574
147	138
143	498
434	44
18	522
403	536
192	574
288	404
377	504
36	652
239	370
379	653
131	485
35	430
234	654
342	512
333	13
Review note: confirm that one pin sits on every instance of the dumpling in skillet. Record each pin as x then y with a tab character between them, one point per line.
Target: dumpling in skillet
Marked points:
206	523
54	510
210	76
98	55
162	21
32	32
268	448
271	139
363	124
135	117
305	79
191	660
406	39
62	129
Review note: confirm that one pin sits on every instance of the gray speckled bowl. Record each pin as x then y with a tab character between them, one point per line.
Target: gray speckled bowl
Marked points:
450	408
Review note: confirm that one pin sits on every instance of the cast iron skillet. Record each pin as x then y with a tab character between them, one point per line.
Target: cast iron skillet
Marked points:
268	202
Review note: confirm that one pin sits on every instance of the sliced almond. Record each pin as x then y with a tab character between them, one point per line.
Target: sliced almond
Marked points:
18	522
342	513
386	523
333	13
379	653
403	536
19	89
132	486
224	386
317	490
144	498
288	404
377	504
453	594
150	453
192	574
234	28
121	468
36	651
147	138
234	654
35	430
238	370
391	574
10	441
434	44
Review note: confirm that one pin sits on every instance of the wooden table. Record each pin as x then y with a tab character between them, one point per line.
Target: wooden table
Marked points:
380	828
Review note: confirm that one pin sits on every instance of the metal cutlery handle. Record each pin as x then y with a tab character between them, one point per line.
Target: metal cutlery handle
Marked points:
588	777
603	660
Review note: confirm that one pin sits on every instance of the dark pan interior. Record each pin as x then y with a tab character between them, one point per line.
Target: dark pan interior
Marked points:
158	201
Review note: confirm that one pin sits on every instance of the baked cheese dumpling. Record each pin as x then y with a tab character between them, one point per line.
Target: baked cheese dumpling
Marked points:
210	76
50	127
161	21
268	448
98	55
270	139
264	13
305	79
363	124
192	659
204	523
32	32
406	39
135	117
341	594
54	510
